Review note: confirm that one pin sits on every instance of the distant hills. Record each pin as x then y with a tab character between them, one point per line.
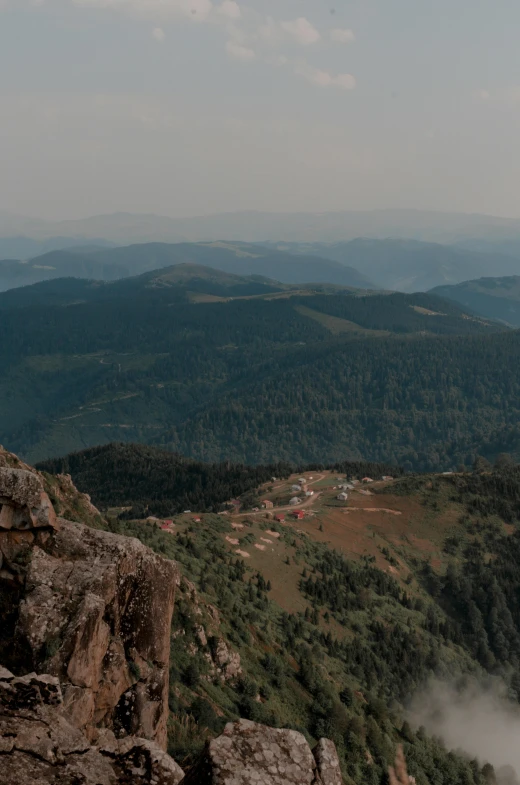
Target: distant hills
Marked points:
235	258
493	298
409	265
254	226
27	248
223	367
399	265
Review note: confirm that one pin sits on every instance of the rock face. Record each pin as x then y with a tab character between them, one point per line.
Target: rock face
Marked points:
88	607
327	762
39	746
251	754
23	503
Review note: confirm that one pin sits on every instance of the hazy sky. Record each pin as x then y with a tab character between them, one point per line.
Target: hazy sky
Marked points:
193	106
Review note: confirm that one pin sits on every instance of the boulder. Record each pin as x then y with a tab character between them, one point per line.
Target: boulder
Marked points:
39	746
251	754
23	502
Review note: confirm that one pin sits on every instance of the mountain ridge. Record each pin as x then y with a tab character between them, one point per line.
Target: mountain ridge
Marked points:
257	225
496	297
238	259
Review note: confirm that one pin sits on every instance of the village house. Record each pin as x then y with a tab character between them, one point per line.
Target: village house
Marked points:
280	518
298	514
367	480
267	504
309	493
236	503
295	488
295	500
387	477
342	497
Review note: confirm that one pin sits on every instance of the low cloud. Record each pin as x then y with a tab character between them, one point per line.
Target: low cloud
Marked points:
301	30
230	9
321	78
239	52
342	36
501	96
478	720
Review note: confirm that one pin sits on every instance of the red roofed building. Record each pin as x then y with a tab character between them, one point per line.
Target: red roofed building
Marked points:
299	514
279	518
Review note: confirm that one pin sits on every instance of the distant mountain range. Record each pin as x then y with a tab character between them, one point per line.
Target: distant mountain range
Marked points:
251	226
494	298
236	258
408	265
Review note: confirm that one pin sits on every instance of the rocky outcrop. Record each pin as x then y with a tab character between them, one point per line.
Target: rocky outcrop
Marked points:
23	503
327	762
39	745
88	607
251	754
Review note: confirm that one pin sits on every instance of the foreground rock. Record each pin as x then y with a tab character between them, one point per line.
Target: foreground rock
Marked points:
39	746
91	608
251	754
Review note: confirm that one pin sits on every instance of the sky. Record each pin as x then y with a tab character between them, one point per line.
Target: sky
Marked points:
186	107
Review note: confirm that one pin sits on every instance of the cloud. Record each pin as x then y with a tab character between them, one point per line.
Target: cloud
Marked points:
342	36
249	34
230	8
198	10
301	30
508	97
239	52
320	78
479	720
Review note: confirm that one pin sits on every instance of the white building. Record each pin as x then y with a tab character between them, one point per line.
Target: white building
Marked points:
295	500
342	497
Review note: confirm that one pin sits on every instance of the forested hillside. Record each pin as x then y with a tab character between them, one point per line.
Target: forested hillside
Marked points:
492	298
215	374
154	481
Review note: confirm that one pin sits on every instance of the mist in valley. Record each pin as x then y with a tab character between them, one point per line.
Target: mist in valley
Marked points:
480	721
